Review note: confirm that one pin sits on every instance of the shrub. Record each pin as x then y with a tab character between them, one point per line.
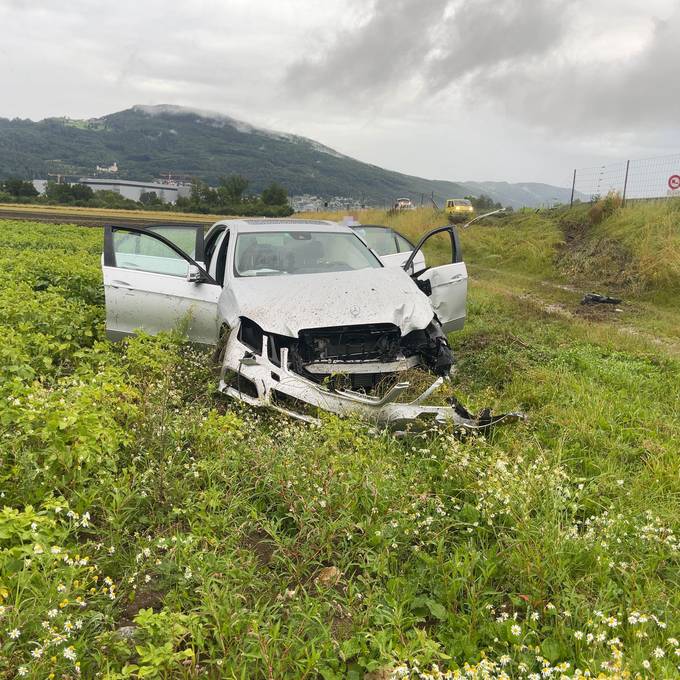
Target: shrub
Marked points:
604	207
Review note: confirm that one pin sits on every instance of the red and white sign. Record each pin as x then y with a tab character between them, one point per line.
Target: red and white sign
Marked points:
674	182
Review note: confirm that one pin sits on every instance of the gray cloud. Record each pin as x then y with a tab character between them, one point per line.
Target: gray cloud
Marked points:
525	58
637	91
438	42
374	57
482	35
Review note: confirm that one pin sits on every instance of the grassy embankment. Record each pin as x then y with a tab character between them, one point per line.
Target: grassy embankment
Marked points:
240	545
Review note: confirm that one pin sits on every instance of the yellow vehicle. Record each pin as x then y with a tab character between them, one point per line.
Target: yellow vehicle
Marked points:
459	206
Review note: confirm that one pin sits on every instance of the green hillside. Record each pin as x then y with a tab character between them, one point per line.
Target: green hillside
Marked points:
148	141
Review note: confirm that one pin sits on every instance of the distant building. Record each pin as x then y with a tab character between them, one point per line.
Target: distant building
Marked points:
108	168
167	193
312	203
40	185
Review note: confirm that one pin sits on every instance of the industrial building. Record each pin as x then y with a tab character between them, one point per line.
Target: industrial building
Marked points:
167	193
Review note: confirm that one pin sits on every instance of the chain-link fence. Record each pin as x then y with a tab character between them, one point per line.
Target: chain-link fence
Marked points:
633	180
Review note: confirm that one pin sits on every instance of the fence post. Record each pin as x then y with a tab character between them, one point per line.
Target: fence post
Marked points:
625	184
573	185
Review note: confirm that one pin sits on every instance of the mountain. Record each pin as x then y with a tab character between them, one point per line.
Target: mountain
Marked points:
146	141
523	193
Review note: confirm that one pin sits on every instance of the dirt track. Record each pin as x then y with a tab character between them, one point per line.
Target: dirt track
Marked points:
90	219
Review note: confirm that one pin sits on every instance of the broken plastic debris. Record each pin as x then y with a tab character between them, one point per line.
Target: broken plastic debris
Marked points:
596	299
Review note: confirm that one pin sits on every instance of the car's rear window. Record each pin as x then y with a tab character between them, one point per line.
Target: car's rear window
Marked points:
276	253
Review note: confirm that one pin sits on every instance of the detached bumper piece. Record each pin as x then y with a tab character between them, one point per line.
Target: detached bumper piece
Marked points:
256	380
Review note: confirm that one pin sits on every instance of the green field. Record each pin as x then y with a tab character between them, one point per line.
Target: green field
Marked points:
152	529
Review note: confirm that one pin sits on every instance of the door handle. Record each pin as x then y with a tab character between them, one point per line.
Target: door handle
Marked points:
120	284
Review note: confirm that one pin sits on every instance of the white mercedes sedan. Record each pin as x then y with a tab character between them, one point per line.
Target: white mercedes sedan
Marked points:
303	314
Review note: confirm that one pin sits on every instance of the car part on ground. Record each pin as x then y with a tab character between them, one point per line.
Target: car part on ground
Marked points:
597	299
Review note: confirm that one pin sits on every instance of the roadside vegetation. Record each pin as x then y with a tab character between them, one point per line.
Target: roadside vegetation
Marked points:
152	529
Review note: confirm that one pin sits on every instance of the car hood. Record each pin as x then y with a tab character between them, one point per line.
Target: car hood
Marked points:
286	304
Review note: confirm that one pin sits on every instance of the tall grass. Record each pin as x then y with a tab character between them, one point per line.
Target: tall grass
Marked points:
650	235
150	529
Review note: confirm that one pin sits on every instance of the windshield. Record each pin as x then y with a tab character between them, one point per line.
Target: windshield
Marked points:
274	253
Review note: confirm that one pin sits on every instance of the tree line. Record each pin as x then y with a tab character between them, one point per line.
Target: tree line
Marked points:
231	196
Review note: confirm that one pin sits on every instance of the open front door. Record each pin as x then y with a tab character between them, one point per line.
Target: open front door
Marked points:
446	284
151	284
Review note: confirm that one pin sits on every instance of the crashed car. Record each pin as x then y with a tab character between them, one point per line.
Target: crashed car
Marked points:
302	313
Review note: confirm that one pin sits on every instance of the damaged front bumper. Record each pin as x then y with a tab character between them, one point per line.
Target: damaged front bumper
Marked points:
254	379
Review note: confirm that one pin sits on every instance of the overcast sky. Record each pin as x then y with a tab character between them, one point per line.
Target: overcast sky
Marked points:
449	89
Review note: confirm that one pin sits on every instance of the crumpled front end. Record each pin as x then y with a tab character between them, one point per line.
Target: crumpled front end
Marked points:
342	370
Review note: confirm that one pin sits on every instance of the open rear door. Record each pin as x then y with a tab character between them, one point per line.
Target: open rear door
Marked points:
151	284
446	284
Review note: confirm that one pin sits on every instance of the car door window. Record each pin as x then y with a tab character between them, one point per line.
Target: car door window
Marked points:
211	242
221	266
403	245
219	257
188	238
380	239
143	252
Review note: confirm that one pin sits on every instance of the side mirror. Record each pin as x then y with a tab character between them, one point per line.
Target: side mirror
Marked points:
194	274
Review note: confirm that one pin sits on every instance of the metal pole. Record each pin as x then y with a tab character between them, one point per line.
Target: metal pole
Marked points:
625	184
573	185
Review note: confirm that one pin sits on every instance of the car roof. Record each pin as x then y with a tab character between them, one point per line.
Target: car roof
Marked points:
261	224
